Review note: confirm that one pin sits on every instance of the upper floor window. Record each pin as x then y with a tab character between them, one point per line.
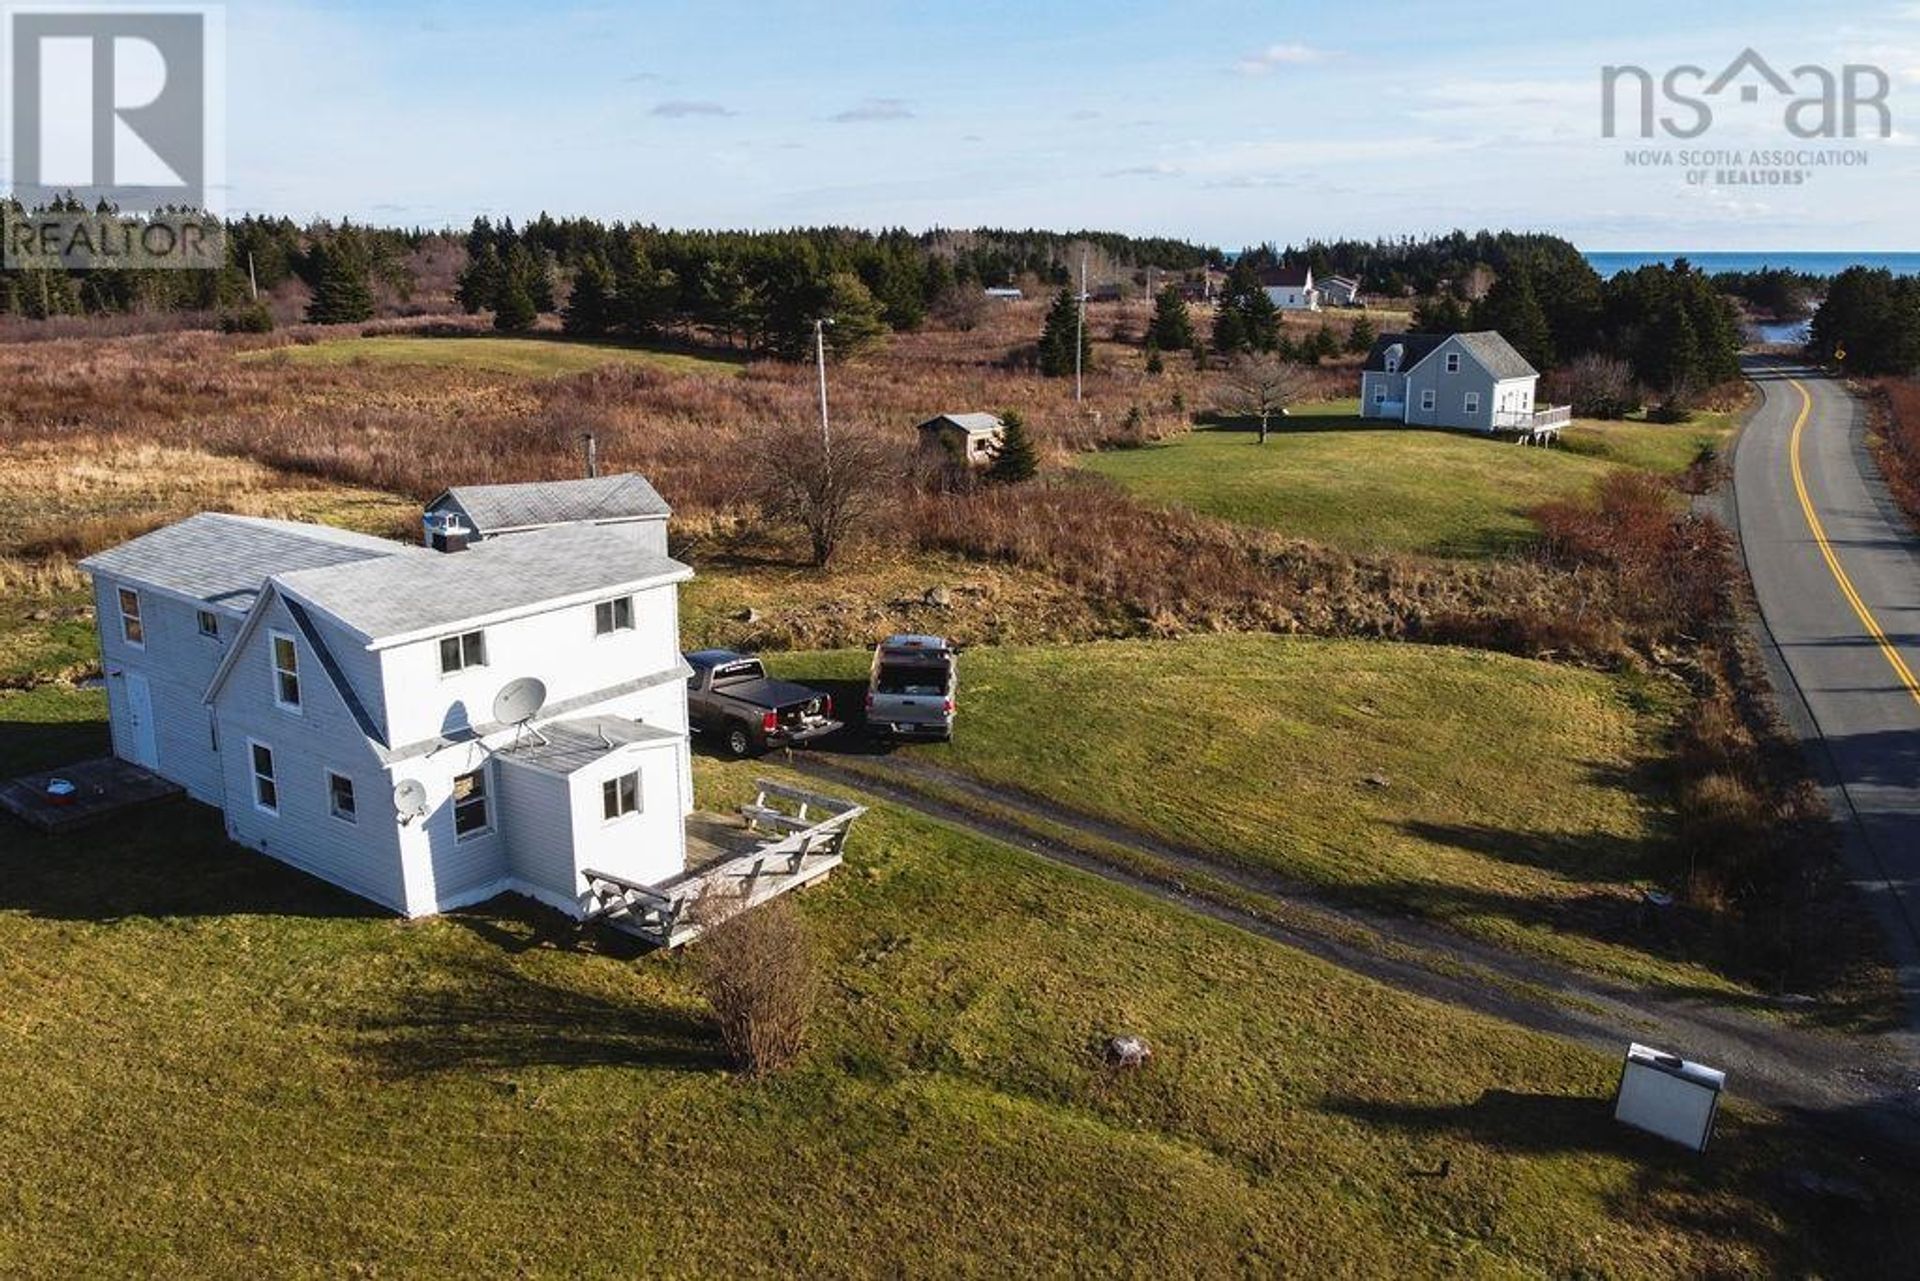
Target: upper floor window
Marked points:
470	803
1453	362
457	653
620	796
611	616
130	628
209	623
286	670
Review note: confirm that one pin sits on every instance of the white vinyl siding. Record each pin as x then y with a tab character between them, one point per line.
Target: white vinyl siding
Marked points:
132	628
286	670
266	784
457	653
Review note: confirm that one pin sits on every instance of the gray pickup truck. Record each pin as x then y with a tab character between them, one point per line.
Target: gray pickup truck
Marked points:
910	688
731	696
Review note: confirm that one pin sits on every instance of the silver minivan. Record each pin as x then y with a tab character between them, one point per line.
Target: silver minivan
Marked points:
910	688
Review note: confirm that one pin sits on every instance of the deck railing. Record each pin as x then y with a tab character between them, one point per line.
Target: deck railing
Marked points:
1549	419
804	834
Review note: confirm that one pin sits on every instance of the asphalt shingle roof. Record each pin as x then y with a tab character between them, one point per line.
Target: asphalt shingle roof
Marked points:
1498	355
971	423
1414	348
571	746
402	596
495	509
226	560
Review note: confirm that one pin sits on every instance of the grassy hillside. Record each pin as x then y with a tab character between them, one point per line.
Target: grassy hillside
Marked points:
1331	477
529	357
1504	797
214	1066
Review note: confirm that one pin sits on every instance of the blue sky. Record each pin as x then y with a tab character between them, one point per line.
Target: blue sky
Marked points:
1229	123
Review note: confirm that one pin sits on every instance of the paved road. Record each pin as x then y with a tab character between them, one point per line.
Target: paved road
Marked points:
1837	572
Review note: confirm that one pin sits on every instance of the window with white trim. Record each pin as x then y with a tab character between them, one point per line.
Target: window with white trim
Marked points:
131	630
1473	402
266	788
620	796
209	623
611	616
286	670
1453	362
1426	399
1379	395
457	653
340	797
470	804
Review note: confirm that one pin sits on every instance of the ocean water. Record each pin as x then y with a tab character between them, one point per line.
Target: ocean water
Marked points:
1817	264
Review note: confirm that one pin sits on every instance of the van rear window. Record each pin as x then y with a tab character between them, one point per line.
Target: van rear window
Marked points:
911	678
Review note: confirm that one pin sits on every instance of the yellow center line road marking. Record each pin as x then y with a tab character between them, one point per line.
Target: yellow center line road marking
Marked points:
1867	620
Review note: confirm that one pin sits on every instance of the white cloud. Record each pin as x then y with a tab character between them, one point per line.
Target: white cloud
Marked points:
868	109
683	109
1279	55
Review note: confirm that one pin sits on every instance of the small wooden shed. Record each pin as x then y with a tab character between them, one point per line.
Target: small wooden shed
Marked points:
973	439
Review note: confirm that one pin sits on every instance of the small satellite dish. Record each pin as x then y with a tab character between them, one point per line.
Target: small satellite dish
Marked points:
409	798
519	701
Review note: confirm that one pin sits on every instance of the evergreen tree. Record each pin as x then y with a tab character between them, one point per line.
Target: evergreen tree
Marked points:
1016	460
1057	338
513	311
644	294
341	294
855	313
1362	336
590	307
480	281
1172	328
1247	319
1441	314
1511	308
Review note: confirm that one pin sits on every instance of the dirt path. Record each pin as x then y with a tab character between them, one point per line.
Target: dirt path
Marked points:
1867	1086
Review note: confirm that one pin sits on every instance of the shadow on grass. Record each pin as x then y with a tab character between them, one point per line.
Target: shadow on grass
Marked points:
491	1017
1806	1202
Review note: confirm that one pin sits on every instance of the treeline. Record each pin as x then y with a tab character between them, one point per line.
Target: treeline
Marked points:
337	264
1671	326
764	290
1869	322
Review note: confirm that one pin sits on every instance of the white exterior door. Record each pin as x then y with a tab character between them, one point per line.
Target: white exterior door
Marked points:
146	751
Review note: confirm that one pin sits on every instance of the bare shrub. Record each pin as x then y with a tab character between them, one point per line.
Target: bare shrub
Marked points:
1598	386
756	970
830	488
1260	387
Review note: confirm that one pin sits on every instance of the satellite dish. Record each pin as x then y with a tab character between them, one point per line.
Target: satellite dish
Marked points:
409	798
519	701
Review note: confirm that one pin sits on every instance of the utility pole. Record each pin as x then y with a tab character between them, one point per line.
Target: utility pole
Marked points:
1079	330
253	285
593	454
820	358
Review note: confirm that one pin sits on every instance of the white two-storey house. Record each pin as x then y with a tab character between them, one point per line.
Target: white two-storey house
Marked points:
424	726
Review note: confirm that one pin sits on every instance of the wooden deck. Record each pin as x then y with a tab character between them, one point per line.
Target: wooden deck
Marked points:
785	839
103	787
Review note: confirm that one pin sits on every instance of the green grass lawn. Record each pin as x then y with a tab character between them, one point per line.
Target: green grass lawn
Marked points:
1515	806
531	357
214	1066
1331	477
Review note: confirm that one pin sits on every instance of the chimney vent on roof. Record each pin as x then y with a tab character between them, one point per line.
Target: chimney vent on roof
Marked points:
446	532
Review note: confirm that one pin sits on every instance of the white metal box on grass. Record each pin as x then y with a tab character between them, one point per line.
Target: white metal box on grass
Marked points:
1666	1095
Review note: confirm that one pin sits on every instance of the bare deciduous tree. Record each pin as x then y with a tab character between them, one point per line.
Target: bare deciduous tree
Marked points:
1260	386
1600	386
829	489
756	970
